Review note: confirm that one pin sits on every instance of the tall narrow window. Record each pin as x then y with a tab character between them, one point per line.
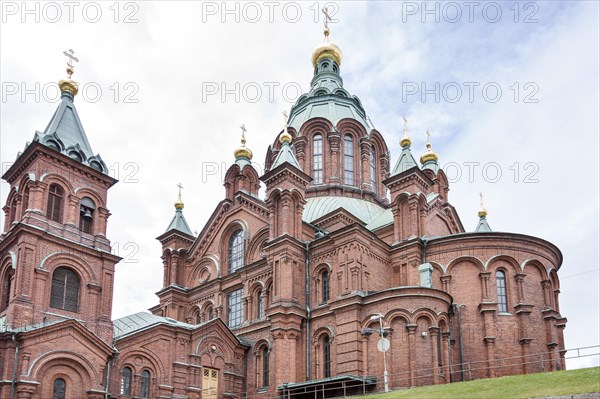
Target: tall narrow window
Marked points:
348	160
6	290
373	170
325	286
260	305
235	308
59	388
236	251
501	288
145	385
326	357
13	211
25	201
65	290
318	159
86	215
265	365
126	382
209	313
55	203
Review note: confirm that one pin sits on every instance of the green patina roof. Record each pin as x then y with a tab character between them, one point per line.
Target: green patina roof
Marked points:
328	99
179	223
405	162
66	135
286	155
483	226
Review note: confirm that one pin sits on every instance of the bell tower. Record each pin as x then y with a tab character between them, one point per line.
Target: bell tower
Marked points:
55	259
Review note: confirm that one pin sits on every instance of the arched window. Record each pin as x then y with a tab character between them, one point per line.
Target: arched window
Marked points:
373	170
209	314
25	201
325	286
260	306
501	289
236	251
348	160
126	381
65	290
145	385
197	317
55	203
59	388
265	367
86	215
326	357
13	211
318	159
6	290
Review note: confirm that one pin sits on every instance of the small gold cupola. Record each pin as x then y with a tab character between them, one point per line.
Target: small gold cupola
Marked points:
405	141
428	155
243	151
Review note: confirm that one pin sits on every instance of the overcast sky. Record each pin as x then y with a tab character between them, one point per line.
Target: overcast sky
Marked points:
508	90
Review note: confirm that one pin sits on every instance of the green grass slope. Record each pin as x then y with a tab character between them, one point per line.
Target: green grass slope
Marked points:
569	382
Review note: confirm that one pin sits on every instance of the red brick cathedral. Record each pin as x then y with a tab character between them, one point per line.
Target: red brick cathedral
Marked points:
286	294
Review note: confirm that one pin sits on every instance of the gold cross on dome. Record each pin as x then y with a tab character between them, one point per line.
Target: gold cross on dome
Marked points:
405	121
180	187
285	118
481	199
325	11
243	127
428	134
70	58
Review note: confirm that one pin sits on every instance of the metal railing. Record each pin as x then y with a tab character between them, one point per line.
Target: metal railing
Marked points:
455	372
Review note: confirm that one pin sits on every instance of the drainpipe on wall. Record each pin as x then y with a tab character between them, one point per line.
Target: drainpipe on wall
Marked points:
15	362
460	346
307	295
107	377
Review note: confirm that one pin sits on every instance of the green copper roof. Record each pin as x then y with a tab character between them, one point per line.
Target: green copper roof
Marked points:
432	165
65	134
405	162
483	226
179	223
327	99
320	206
286	155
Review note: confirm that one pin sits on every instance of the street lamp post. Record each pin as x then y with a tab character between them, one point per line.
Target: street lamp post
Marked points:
379	317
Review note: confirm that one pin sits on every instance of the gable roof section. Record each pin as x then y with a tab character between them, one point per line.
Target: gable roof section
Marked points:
143	321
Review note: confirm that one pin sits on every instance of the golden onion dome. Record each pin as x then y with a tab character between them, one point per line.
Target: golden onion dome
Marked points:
405	141
243	152
326	50
482	211
285	137
429	155
179	205
68	85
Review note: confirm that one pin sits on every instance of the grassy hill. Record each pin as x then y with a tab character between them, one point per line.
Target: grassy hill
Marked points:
569	382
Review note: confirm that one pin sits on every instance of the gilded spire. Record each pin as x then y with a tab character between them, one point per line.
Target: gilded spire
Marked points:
482	211
179	202
326	49
67	85
285	136
243	151
428	155
405	141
